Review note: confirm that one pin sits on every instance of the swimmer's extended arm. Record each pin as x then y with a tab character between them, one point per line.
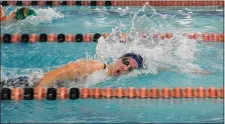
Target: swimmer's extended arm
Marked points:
70	72
3	16
11	16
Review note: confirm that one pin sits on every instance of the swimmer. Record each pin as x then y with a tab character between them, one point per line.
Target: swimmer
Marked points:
18	14
81	69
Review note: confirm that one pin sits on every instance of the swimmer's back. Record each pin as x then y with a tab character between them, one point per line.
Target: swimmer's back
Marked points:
71	71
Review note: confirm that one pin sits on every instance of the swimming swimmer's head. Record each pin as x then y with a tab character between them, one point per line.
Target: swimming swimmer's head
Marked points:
137	58
23	12
127	63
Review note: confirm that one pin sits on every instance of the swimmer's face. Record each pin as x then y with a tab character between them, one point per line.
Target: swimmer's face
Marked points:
124	66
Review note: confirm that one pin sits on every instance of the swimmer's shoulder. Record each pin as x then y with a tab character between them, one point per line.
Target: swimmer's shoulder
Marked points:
91	63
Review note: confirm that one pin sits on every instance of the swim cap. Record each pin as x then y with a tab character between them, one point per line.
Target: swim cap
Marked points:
136	57
23	12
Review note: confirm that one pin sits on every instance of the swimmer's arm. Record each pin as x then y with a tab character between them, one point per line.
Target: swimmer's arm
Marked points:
64	73
3	16
70	71
12	15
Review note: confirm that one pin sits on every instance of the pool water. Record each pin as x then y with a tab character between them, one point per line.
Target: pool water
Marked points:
36	59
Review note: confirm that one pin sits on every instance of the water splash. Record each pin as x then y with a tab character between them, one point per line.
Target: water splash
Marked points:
46	15
34	76
177	53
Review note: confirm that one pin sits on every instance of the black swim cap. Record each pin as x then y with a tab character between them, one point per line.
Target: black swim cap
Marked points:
136	57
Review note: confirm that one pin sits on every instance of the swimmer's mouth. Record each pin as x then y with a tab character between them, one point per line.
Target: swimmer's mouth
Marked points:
118	72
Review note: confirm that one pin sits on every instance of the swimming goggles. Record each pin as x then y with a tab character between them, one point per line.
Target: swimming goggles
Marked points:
126	61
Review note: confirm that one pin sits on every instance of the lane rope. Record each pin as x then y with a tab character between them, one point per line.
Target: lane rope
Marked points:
89	37
63	93
115	3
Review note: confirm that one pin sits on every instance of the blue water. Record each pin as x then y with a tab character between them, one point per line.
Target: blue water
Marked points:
17	58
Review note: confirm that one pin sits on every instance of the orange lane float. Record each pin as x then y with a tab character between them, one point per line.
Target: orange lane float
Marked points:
41	3
119	92
166	93
200	92
85	93
12	3
70	3
17	94
154	93
26	3
88	38
85	3
97	93
177	92
169	35
40	93
205	37
212	92
34	38
70	38
56	3
189	92
143	93
131	92
52	37
108	92
62	93
105	35
16	38
100	3
195	36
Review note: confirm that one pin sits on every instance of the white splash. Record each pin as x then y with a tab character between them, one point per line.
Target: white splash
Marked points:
44	16
176	53
34	74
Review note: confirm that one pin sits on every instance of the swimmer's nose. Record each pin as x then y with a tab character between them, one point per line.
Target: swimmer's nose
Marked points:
125	68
